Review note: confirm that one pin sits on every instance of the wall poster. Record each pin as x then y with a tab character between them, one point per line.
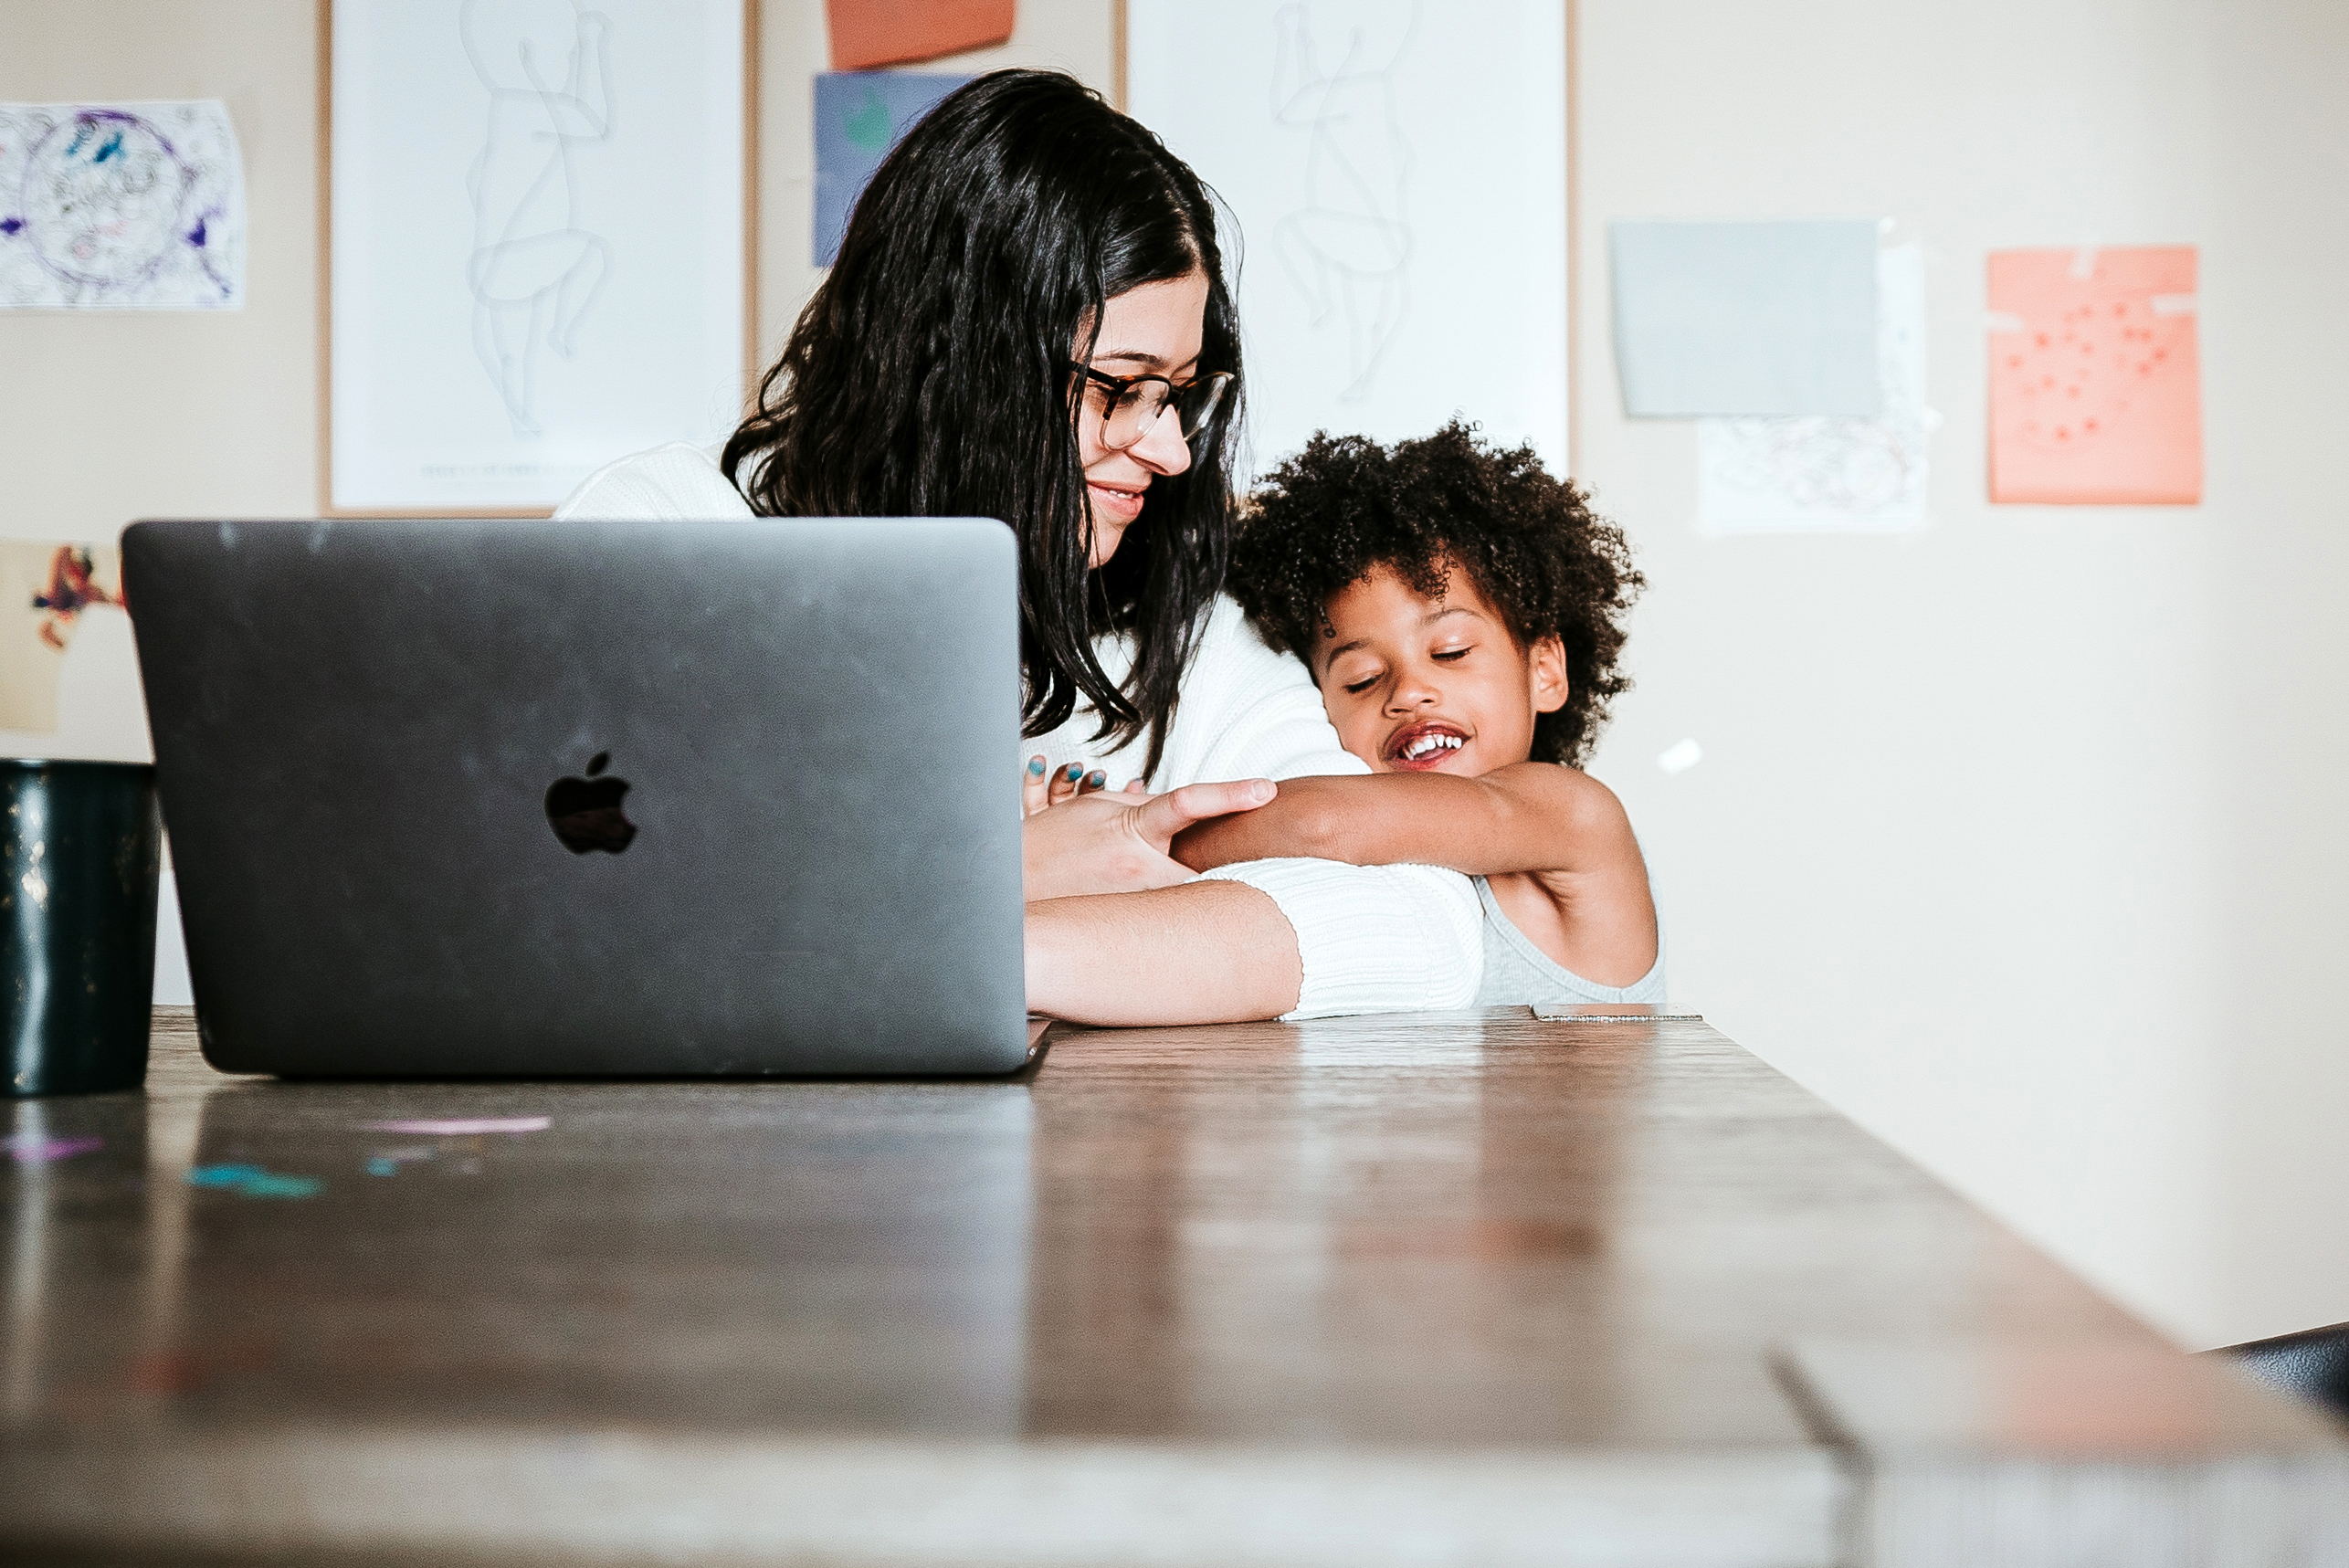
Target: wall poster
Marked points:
1819	473
2095	377
120	207
1398	171
539	248
860	117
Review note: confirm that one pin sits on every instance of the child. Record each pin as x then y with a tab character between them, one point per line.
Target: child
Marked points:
1460	609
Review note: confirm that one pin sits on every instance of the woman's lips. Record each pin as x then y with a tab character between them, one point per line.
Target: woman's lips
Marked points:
1116	501
1447	743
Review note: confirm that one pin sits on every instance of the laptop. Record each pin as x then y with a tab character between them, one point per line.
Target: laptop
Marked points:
523	798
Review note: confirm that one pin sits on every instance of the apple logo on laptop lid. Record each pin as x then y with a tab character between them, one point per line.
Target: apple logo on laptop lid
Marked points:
586	812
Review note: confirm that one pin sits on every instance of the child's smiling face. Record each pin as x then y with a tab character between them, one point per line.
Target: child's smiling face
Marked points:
1420	685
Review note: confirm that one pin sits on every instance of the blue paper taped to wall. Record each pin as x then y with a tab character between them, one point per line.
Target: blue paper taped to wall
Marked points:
859	116
1746	318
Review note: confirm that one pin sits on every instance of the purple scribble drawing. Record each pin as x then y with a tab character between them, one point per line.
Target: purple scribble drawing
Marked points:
31	1149
457	1127
533	270
118	206
1348	247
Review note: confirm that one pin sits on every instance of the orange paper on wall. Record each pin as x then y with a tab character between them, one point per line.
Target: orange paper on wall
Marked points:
2095	382
868	33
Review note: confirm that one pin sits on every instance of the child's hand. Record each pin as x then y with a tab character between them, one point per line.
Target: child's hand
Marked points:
1041	788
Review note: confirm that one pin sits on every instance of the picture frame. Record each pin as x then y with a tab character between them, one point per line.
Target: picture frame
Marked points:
1190	103
539	244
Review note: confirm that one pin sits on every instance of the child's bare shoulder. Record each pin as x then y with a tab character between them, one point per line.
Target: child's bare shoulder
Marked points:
1564	788
1584	827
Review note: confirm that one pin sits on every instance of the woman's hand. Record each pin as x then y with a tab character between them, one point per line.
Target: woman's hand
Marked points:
1040	790
1078	838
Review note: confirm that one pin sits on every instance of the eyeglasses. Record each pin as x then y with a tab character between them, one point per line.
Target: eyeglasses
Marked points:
1130	404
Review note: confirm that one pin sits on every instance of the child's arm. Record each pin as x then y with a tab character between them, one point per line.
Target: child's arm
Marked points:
1582	897
1529	817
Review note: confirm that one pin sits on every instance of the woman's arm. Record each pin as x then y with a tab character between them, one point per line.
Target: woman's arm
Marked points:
1531	816
1231	945
1302	939
1207	952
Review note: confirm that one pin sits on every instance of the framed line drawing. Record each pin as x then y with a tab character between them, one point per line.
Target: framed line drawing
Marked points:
1401	175
539	248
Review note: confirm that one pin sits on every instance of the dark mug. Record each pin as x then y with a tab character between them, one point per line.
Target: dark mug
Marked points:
81	852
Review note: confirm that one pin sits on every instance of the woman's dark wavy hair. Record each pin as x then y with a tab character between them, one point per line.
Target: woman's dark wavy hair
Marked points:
1345	505
929	376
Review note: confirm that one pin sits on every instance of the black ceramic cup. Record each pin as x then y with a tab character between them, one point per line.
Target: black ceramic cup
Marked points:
81	851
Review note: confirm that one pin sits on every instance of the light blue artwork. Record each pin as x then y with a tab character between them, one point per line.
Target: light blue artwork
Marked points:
859	116
1818	472
1768	319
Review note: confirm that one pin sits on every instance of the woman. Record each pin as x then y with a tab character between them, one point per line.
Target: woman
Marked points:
1028	321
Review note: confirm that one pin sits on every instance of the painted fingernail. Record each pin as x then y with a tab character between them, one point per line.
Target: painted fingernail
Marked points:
1075	772
1099	779
1035	767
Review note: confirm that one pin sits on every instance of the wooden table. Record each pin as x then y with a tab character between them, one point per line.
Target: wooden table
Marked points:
1465	1288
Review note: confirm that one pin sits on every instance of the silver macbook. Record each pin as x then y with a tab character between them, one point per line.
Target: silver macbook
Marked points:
527	799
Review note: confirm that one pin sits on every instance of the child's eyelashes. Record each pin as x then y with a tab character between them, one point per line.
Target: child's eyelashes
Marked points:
1355	688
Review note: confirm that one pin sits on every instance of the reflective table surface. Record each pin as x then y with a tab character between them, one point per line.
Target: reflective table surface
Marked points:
1461	1288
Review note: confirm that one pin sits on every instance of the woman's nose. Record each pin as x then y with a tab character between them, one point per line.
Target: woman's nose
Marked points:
1162	449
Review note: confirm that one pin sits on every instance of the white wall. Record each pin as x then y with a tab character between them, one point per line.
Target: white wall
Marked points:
2279	165
2016	840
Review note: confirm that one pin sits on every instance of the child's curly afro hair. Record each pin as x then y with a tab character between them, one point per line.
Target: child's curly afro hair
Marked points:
1345	505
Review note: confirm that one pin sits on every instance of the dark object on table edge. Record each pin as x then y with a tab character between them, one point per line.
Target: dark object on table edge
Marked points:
2313	1364
80	855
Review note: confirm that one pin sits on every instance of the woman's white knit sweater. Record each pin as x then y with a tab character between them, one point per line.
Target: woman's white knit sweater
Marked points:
1373	939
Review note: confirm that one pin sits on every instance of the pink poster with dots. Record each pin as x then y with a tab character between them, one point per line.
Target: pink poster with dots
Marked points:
2095	383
